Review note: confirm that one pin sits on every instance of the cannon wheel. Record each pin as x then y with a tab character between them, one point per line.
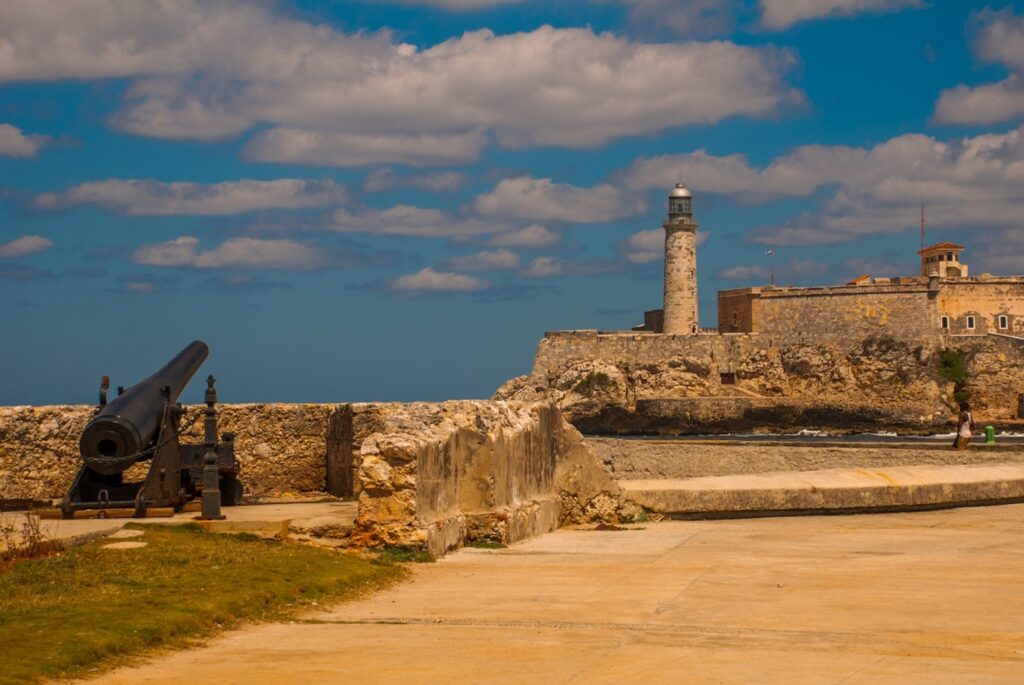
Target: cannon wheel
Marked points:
231	491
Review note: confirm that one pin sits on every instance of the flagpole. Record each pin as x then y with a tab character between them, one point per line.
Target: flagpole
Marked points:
771	253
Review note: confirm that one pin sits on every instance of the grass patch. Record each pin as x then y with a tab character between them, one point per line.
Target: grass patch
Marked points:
953	368
404	555
486	544
67	613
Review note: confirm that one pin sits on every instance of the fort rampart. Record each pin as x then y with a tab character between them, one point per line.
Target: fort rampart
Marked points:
858	376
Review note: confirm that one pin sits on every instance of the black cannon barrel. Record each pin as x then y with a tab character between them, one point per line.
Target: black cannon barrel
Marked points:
112	440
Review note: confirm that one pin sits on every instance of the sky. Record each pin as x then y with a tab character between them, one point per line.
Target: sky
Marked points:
364	200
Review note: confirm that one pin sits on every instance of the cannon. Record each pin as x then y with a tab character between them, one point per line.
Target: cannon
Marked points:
142	427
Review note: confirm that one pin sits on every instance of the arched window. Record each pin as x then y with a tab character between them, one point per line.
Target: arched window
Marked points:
1004	322
970	323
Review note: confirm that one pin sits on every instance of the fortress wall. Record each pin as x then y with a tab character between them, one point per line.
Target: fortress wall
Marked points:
431	475
281	447
986	301
846	315
608	382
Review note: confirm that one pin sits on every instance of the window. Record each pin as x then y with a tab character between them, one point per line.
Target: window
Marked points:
728	379
949	256
1004	322
945	323
970	323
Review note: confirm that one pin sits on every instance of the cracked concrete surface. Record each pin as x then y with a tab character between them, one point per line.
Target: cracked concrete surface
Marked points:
928	597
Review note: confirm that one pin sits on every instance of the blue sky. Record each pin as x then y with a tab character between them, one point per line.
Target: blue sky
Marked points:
393	200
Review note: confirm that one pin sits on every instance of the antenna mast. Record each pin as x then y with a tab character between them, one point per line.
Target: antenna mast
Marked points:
922	224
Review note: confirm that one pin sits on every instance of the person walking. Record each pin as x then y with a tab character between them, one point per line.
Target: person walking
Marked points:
964	427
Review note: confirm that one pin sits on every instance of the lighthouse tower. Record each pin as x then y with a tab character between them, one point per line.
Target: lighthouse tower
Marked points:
680	264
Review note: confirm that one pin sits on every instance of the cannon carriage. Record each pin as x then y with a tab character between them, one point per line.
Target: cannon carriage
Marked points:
144	424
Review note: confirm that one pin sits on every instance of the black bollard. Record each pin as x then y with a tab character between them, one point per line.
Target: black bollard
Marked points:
211	476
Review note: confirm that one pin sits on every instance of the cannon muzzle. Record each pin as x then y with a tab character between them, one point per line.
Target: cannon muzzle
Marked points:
124	429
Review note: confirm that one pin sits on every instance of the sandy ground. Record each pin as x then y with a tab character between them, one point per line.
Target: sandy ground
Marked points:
647	459
930	597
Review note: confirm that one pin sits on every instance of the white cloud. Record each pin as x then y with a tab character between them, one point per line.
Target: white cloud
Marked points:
380	180
781	14
454	5
236	253
794	270
971	182
649	246
542	267
428	279
146	197
14	143
686	17
331	98
531	236
484	261
745	273
541	199
412	221
333	148
998	37
25	245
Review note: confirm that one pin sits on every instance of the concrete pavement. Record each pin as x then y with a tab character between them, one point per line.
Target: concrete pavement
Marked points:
842	490
925	597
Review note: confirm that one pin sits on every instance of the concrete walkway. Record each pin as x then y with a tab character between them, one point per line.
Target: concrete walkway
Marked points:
266	518
926	597
831	490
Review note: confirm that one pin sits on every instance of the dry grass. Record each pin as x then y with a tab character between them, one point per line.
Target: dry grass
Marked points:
78	610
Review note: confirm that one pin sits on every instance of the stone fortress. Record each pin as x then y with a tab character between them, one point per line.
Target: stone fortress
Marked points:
867	355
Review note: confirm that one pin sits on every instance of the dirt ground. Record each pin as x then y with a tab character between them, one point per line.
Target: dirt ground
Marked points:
648	459
885	599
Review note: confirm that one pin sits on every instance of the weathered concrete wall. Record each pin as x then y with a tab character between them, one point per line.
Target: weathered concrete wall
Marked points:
281	447
438	475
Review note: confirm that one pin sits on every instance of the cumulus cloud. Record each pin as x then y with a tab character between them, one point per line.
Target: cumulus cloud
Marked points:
145	197
685	17
649	246
970	182
14	143
781	14
429	279
531	236
454	5
541	199
794	270
543	267
997	37
334	148
25	245
745	273
236	253
412	221
380	180
484	261
325	97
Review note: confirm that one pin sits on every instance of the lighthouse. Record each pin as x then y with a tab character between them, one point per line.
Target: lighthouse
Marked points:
680	264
